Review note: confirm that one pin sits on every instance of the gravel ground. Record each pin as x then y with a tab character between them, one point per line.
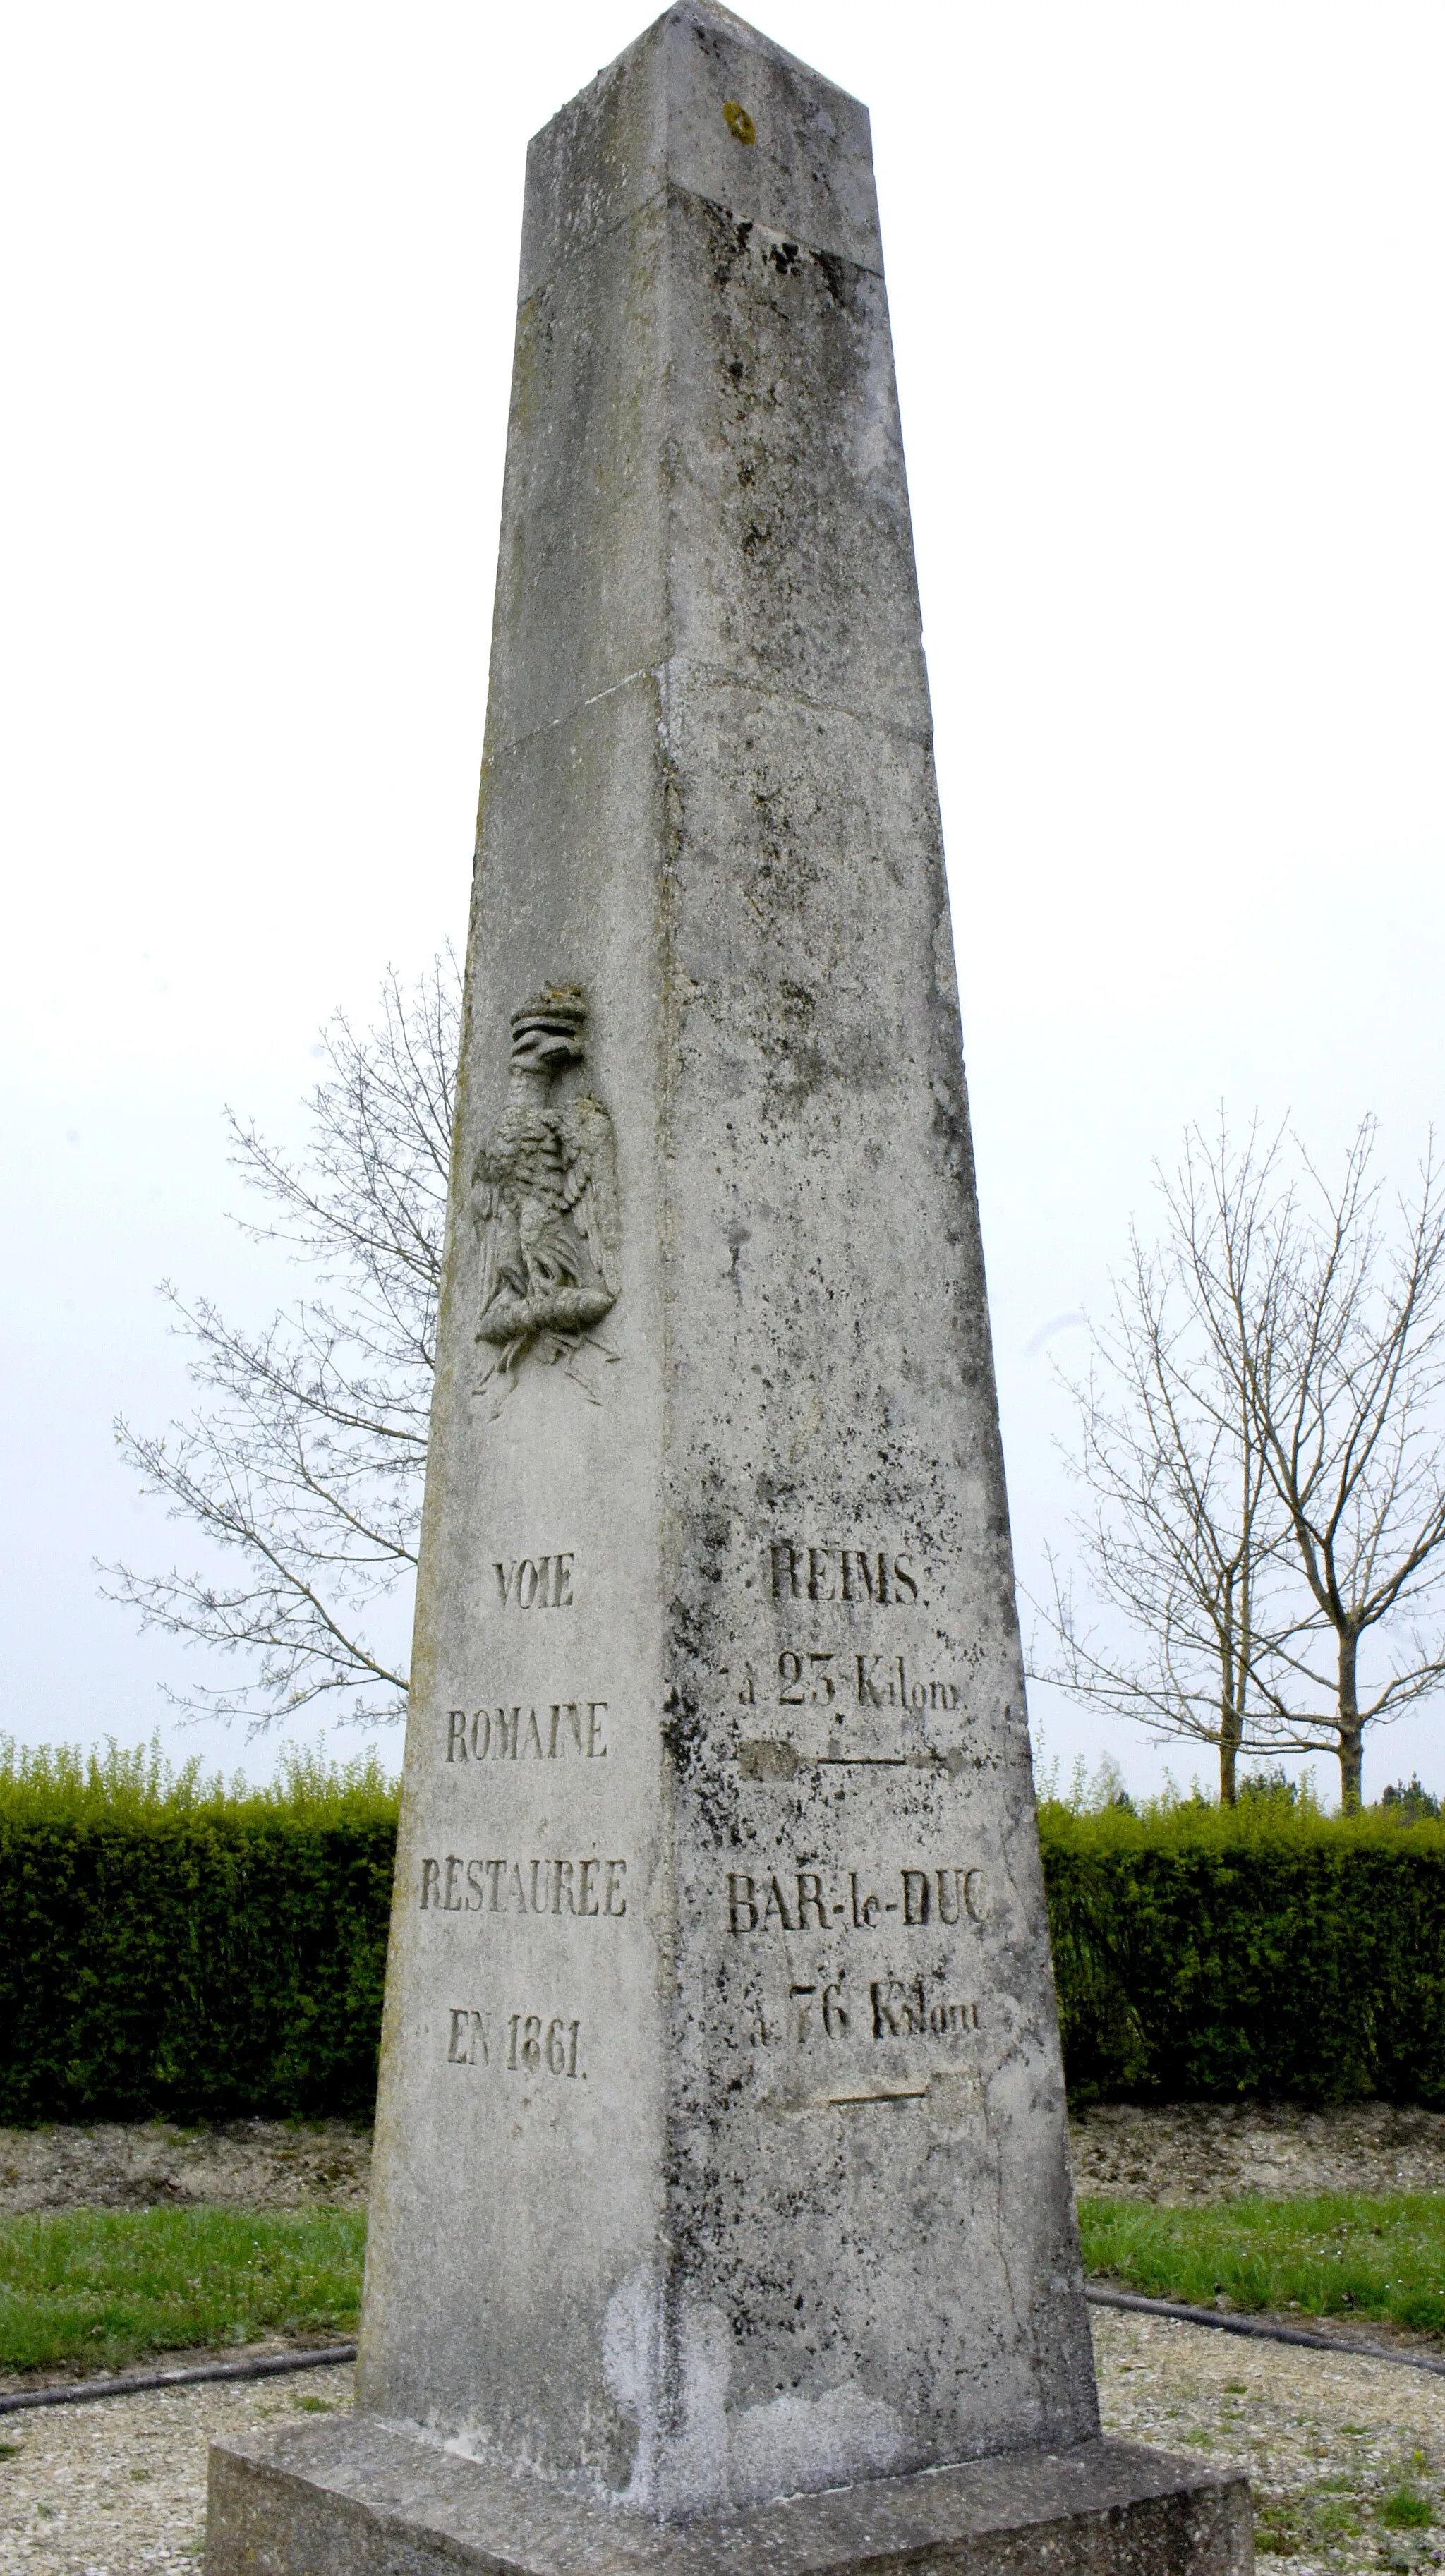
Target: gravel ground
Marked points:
244	2164
119	2488
1327	2440
1200	2151
1187	2153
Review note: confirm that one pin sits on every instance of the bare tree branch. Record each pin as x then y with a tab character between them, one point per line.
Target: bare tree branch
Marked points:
307	1449
1266	1471
1182	1536
1351	1426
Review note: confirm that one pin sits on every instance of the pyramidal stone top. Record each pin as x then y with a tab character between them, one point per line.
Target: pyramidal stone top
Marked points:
796	155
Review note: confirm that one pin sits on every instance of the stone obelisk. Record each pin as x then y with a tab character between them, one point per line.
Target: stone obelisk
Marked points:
721	2153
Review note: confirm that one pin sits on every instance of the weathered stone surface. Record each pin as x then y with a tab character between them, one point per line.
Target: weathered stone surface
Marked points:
720	2150
652	121
358	2500
801	2213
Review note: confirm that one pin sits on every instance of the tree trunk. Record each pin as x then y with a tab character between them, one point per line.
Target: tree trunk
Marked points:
1231	1723
1229	1732
1351	1749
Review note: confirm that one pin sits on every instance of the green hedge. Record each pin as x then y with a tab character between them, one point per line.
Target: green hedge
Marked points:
171	1945
198	1967
1202	1956
168	1946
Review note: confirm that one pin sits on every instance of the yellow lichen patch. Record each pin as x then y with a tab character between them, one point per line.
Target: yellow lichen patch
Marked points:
739	124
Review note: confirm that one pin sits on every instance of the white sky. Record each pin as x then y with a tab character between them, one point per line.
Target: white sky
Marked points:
1166	284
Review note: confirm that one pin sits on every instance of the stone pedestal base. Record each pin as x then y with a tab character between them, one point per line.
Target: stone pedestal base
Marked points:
353	2499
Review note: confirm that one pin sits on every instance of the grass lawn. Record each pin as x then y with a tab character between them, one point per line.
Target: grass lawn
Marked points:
103	2285
1336	2256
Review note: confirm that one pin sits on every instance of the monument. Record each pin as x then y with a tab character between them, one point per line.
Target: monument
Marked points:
722	2212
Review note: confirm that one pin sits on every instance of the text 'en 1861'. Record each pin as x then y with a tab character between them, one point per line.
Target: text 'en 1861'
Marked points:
534	2044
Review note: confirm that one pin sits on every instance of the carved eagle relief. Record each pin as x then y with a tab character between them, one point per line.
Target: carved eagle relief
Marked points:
544	1197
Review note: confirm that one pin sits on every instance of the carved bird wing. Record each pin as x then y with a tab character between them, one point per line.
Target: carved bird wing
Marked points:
486	1209
494	1213
589	1182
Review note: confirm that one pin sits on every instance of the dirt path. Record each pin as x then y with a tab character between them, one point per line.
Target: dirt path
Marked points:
1187	2153
245	2164
1195	2152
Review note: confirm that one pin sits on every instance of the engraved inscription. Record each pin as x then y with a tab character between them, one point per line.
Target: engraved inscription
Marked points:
544	1200
535	1582
886	1682
468	2036
827	1678
858	1681
567	1730
534	2043
768	1758
909	2011
802	1573
806	1677
453	1885
802	1900
529	2050
822	2010
819	2011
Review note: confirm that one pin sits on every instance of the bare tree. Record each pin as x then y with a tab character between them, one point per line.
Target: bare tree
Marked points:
305	1455
1348	1413
1181	1536
1266	1472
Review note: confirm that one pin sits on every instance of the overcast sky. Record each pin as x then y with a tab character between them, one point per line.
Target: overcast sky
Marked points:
1166	285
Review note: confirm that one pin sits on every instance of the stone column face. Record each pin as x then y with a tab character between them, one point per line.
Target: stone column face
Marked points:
721	2148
